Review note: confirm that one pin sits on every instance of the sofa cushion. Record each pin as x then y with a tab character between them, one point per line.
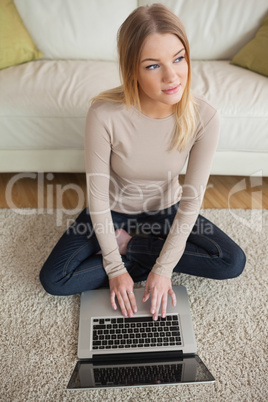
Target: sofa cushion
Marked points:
217	29
241	96
75	29
46	109
16	44
254	55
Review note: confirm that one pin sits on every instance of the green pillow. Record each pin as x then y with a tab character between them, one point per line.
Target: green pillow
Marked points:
254	55
16	44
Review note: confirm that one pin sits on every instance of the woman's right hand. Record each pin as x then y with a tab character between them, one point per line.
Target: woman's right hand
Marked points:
121	287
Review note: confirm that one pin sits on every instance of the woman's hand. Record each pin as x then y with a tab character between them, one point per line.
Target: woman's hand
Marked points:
158	287
121	287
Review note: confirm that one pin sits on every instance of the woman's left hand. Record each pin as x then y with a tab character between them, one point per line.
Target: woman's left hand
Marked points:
158	287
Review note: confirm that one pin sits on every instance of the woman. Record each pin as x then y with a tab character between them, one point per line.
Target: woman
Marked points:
141	224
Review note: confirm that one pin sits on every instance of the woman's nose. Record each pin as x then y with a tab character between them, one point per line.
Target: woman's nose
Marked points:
169	74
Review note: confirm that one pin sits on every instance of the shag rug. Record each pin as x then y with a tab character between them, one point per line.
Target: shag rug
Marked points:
38	333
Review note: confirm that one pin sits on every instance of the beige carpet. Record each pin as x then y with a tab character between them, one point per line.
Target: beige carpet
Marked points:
39	332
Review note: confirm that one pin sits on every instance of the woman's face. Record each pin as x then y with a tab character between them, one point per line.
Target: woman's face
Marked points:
162	74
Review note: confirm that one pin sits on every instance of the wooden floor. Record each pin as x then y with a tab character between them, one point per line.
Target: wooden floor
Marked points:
68	191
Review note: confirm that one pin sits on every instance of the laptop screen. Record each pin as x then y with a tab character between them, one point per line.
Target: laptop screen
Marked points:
190	369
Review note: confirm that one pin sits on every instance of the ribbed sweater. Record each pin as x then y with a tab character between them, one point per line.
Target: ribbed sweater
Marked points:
131	169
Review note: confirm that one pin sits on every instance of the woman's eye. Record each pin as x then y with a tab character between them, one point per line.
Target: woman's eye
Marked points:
152	67
179	59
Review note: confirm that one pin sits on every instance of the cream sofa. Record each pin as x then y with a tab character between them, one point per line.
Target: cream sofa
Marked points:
43	104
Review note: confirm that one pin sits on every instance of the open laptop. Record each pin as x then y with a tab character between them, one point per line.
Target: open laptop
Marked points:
116	352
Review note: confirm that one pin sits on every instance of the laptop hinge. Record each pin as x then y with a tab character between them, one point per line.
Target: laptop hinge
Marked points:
139	356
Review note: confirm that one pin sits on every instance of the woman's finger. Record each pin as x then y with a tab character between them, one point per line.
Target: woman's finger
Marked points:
121	302
132	299
127	303
158	305
173	297
112	298
147	294
160	300
154	304
164	305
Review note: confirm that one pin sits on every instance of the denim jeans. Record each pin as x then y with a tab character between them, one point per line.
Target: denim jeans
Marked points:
74	265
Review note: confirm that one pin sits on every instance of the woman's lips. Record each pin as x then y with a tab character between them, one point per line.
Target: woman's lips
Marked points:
172	90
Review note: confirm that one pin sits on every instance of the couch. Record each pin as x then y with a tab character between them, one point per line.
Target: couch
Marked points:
44	102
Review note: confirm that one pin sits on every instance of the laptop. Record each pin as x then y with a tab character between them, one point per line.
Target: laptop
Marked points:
117	352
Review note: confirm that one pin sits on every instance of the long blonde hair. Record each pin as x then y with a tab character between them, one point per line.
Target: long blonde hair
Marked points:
141	23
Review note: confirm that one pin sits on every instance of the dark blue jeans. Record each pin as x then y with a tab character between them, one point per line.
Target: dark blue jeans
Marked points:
73	265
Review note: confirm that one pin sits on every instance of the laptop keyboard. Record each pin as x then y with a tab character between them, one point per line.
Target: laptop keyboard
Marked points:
136	332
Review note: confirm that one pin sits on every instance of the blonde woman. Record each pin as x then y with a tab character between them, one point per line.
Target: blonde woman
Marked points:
141	224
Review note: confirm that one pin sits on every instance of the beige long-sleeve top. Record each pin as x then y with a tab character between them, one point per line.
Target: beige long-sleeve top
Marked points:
131	169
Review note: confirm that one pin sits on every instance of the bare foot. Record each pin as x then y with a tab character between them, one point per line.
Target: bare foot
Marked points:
122	238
